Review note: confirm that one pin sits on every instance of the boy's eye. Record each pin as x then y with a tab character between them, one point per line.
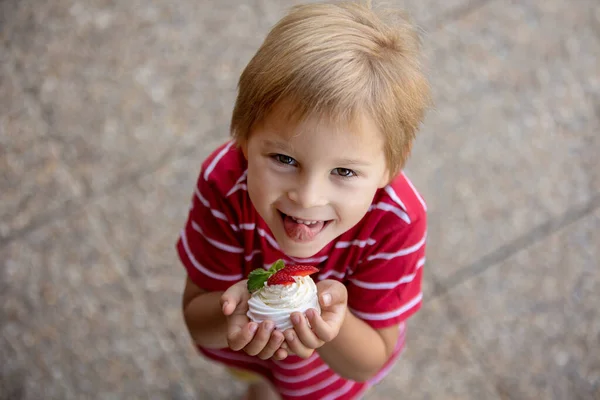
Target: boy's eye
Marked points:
344	172
284	159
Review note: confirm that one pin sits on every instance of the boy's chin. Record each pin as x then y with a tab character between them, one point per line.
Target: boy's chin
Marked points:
297	250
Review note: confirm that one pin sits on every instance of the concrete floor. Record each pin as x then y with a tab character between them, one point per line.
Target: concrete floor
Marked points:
107	109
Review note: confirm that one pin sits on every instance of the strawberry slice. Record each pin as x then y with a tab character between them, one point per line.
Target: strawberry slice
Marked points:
277	274
280	278
299	270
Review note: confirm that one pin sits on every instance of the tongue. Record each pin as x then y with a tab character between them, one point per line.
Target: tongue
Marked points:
301	232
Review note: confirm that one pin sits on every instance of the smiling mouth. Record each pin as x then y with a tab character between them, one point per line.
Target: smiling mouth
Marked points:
301	230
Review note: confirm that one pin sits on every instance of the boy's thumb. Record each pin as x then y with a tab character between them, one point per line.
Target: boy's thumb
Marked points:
224	307
326	299
228	305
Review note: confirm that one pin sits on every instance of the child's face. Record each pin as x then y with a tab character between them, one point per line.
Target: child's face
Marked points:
311	182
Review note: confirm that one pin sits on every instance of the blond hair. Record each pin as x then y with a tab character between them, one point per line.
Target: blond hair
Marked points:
339	60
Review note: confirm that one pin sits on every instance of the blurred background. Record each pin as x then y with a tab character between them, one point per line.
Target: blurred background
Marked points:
108	108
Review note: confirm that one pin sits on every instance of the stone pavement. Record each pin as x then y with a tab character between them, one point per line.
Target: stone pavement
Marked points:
107	109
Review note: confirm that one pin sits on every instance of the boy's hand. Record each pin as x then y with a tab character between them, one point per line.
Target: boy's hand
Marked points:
259	340
302	340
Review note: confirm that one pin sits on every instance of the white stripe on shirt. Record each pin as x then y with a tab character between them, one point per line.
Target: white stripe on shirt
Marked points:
203	269
201	198
399	253
332	272
389	314
302	392
389	285
205	203
222	246
341	391
236	188
245	227
270	239
238	184
303	377
390	191
216	160
261	232
251	255
242	177
389	207
359	243
415	192
299	364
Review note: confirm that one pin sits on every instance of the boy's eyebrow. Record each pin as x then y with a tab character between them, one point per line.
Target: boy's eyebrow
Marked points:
277	144
351	161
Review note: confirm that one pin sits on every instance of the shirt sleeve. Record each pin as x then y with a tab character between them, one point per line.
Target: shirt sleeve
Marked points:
385	288
209	245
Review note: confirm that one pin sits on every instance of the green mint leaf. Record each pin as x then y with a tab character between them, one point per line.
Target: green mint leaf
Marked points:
257	279
277	265
256	284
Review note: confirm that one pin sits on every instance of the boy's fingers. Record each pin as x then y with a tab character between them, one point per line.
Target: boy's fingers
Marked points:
229	302
320	328
238	338
285	347
305	334
280	355
260	340
272	346
296	345
331	293
233	297
227	306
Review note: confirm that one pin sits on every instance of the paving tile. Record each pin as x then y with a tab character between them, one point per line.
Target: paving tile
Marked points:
142	224
512	141
534	319
427	14
430	14
437	363
120	106
70	326
33	181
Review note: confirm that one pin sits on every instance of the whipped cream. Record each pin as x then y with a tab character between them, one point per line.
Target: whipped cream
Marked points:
277	302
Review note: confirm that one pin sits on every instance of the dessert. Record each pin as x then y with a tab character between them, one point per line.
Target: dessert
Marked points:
280	291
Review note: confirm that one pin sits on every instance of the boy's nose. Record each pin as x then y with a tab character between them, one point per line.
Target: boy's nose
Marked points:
308	193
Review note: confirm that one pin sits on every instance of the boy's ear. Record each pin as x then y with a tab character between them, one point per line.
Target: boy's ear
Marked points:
244	147
385	179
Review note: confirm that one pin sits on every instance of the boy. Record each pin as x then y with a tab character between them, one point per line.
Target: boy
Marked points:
324	121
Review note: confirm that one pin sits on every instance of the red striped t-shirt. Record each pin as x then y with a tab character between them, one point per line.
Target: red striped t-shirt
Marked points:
379	260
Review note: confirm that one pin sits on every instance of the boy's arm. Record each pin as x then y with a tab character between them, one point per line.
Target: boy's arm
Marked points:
203	316
350	346
359	351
